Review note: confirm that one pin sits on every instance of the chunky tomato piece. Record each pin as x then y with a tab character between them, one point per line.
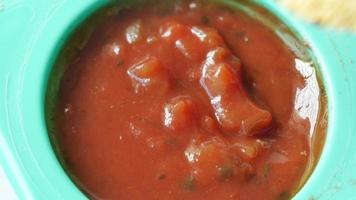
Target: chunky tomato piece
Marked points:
192	41
210	37
179	113
247	148
209	124
172	30
205	158
233	108
213	160
149	73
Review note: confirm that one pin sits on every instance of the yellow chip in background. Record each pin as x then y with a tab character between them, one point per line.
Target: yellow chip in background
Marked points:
340	14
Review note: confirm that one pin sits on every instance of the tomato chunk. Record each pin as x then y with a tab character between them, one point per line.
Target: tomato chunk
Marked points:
179	113
221	80
192	41
172	30
205	158
147	74
208	124
210	37
212	160
247	148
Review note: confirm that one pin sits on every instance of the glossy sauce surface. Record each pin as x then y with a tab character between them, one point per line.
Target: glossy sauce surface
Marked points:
197	102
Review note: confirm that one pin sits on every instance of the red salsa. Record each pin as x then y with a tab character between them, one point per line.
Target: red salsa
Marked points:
190	101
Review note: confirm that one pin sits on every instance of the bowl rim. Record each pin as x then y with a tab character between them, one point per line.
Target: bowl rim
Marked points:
29	159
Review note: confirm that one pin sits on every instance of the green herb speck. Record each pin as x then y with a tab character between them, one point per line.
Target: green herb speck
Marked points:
226	171
188	183
205	20
240	33
161	177
265	170
283	196
120	63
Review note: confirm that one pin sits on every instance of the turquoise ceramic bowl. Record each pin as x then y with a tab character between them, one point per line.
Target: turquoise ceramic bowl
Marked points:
31	34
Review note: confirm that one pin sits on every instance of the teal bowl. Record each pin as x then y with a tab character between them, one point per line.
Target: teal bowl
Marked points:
31	35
